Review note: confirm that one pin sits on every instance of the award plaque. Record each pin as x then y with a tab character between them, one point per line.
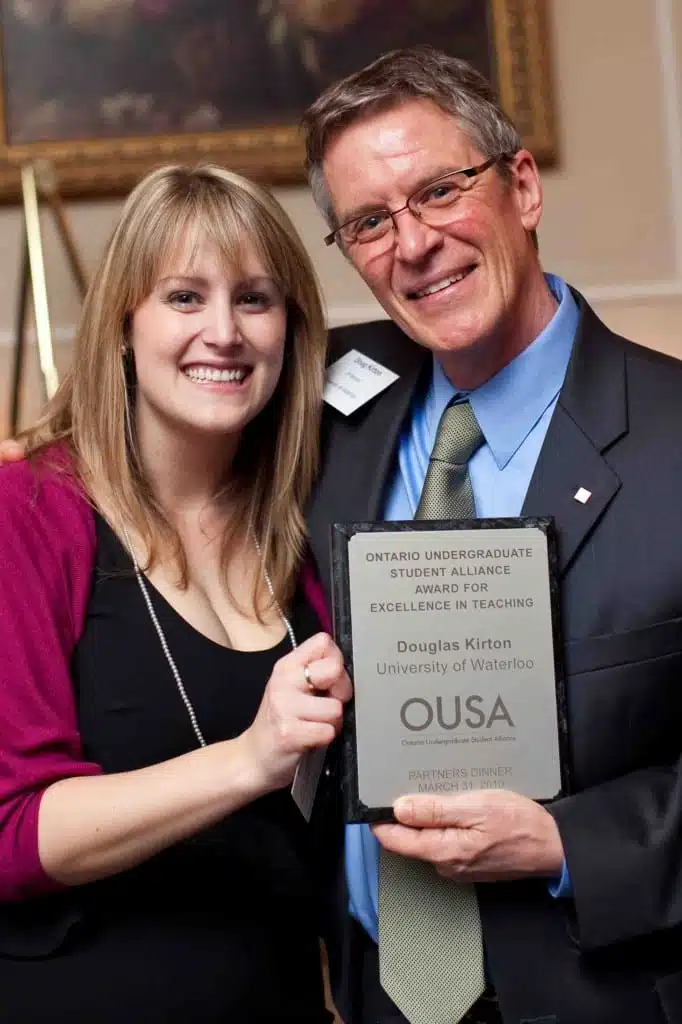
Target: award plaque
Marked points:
450	631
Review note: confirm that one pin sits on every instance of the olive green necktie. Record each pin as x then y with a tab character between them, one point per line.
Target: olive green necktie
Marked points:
430	941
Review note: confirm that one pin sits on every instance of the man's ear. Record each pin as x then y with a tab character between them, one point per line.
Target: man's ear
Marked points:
526	188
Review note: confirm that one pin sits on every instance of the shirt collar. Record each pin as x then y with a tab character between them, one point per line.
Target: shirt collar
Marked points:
509	405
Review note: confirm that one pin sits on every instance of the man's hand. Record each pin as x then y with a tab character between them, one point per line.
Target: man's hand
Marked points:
11	451
482	836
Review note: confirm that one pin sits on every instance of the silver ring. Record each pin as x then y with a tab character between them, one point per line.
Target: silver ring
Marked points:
307	677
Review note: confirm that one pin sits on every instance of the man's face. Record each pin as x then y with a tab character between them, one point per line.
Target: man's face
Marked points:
470	290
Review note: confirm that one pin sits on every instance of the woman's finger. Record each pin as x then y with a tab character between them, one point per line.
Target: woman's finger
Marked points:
317	665
330	677
319	709
318	646
315	734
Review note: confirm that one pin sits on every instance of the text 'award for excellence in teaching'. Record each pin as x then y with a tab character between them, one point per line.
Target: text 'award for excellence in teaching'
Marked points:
451	634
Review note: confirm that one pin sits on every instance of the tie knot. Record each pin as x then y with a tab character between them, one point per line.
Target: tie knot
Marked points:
458	435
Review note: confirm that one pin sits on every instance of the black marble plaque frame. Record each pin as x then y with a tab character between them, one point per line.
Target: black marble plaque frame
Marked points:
340	534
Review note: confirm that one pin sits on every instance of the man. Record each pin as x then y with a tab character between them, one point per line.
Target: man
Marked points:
430	195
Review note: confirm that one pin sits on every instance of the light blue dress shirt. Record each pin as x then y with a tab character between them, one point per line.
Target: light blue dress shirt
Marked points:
513	410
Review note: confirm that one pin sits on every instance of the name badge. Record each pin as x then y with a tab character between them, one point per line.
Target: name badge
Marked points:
353	379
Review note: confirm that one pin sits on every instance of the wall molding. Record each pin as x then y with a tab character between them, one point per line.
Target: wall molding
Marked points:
645	291
60	336
671	99
671	84
360	312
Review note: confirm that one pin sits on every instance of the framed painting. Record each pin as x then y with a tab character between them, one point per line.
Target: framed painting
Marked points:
107	89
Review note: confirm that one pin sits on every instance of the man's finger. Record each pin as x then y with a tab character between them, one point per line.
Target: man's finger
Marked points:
428	811
434	845
398	839
462	810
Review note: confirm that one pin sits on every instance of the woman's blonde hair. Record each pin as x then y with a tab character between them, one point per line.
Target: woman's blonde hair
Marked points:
273	470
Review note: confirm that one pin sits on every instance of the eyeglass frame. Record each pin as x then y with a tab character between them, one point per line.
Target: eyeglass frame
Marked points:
469	172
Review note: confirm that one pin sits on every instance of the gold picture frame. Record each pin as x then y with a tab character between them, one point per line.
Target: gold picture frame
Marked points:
272	153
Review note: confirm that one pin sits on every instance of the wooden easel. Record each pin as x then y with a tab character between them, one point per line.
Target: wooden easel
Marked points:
38	181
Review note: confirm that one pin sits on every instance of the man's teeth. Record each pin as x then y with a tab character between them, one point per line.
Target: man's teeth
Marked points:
440	285
213	374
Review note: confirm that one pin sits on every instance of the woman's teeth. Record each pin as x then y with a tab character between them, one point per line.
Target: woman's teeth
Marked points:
213	374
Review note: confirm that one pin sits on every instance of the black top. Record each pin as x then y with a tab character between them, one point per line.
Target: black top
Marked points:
221	927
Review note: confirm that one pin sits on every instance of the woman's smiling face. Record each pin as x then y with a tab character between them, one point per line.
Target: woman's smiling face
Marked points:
208	343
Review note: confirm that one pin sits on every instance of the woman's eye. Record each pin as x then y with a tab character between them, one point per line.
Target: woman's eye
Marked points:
255	300
185	299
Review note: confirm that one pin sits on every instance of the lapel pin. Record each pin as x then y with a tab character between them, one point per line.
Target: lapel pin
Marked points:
582	495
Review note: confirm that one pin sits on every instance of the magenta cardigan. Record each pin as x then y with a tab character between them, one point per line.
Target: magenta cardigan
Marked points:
47	556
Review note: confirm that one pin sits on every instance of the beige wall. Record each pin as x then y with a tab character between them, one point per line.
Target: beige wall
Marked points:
613	207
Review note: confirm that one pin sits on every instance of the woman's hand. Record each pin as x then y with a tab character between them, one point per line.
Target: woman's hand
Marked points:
11	451
299	710
90	828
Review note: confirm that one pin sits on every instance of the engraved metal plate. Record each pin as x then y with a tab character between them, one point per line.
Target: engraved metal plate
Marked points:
452	639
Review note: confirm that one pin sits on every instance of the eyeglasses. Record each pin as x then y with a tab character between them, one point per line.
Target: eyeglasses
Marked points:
433	204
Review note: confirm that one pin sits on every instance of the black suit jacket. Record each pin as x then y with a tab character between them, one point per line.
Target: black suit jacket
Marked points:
613	954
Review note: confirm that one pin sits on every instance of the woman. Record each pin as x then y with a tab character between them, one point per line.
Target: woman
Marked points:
163	667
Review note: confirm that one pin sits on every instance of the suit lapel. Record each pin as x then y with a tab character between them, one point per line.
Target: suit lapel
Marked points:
359	450
569	461
590	416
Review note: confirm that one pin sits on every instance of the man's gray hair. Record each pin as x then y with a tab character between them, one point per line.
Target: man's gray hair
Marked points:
416	72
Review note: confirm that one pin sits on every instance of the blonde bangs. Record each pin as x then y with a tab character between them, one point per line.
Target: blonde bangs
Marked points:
231	224
237	227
